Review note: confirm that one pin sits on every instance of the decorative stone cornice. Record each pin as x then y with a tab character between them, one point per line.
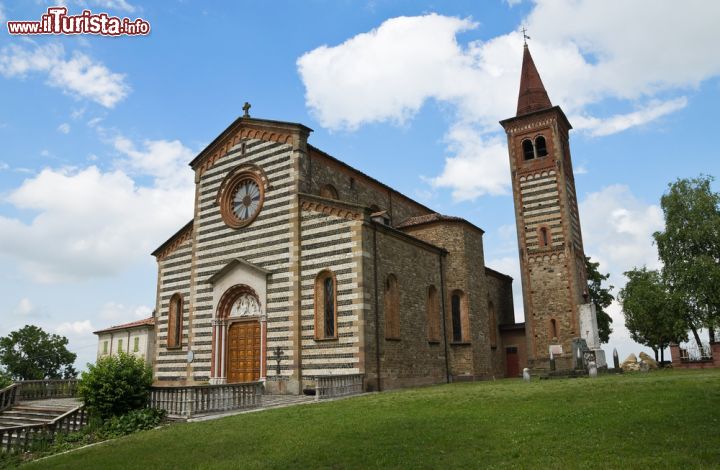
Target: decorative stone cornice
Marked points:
182	235
309	202
245	129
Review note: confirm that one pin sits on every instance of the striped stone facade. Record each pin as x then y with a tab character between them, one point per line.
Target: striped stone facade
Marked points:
277	257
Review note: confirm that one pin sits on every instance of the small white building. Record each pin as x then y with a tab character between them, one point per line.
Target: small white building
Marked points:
137	338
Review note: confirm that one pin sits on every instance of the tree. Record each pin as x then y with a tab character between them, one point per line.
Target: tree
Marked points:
5	379
601	297
689	248
32	354
116	385
652	315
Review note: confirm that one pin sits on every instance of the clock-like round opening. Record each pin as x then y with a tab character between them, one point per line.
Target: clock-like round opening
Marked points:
242	199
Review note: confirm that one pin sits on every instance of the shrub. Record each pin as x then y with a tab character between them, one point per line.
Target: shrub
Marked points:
136	420
5	379
115	385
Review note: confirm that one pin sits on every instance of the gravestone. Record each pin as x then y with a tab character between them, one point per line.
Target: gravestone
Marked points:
616	359
592	369
526	374
589	332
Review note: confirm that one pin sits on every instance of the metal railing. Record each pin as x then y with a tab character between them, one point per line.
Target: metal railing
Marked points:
184	402
22	438
330	386
696	353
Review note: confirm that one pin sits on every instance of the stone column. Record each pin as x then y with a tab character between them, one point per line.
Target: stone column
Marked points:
223	328
216	347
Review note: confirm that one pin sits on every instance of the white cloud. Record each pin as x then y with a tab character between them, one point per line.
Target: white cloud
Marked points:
78	75
617	230
387	74
621	122
92	223
64	128
120	313
389	71
24	307
164	160
478	165
512	3
4	166
75	328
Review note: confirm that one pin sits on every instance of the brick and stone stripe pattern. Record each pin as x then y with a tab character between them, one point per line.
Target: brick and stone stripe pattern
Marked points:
574	218
541	207
265	242
327	242
174	278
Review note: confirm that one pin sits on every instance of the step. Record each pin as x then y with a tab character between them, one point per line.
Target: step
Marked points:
15	411
48	409
24	419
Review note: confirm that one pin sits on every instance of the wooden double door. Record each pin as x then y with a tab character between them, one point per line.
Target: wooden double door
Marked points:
243	364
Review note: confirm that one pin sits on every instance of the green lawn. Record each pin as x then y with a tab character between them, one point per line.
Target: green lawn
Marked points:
660	419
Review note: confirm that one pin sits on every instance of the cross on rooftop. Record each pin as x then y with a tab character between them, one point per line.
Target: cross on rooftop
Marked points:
246	107
525	36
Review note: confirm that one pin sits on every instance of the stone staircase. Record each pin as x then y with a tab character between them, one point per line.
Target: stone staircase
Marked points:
36	412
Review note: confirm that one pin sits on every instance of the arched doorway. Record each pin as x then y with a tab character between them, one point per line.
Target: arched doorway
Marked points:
237	337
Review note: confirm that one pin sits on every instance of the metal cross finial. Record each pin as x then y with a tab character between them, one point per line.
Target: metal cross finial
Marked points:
246	107
525	36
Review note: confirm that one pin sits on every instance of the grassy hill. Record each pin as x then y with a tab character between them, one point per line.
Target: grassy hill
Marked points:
660	419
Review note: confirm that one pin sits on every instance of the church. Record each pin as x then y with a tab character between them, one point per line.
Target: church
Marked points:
297	266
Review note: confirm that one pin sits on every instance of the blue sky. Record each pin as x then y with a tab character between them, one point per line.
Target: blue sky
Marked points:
97	132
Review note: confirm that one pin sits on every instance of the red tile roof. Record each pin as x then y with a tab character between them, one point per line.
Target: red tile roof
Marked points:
126	326
532	96
434	217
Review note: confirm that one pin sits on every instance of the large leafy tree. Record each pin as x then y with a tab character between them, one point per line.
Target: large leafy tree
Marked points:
601	297
32	354
652	315
689	248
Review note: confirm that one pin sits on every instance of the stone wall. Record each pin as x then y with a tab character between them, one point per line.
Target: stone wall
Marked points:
355	187
411	360
500	303
465	271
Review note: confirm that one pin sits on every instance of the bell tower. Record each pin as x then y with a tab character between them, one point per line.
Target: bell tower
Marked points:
552	260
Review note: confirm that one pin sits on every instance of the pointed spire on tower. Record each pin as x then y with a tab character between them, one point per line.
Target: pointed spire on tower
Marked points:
532	96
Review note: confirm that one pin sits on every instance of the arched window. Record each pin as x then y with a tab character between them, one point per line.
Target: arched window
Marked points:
540	146
543	237
553	329
433	315
329	192
528	151
325	305
175	322
460	321
493	325
392	308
